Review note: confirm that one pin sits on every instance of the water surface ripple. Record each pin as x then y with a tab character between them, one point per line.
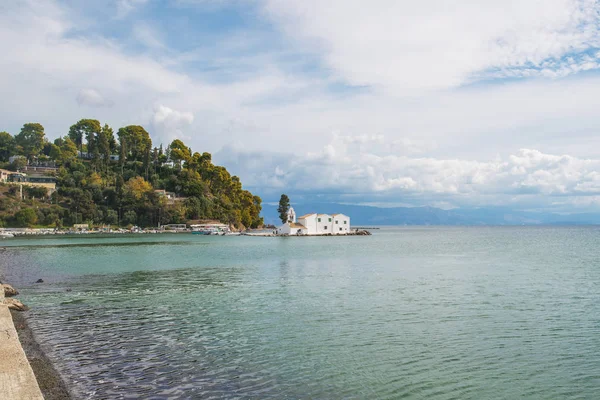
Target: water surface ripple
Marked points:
408	313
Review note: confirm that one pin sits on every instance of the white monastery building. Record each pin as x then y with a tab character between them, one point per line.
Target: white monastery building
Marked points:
315	224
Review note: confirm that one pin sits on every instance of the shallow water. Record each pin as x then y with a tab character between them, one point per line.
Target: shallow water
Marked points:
415	313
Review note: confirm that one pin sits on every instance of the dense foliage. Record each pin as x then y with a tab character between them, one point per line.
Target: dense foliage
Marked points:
95	186
284	207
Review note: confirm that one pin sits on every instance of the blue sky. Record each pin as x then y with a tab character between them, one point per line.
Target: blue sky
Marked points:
386	102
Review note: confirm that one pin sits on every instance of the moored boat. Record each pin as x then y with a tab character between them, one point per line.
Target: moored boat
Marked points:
210	229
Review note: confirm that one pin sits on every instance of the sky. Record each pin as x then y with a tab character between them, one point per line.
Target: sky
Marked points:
385	102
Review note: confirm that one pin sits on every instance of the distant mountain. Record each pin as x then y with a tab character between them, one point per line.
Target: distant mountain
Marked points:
366	215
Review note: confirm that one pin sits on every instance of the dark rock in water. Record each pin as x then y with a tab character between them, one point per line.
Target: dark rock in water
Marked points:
15	304
39	281
68	290
363	232
9	291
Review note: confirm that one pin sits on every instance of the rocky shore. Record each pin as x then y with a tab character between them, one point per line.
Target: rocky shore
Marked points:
49	381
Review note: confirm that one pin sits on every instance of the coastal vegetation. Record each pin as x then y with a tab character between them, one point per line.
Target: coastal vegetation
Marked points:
122	178
284	206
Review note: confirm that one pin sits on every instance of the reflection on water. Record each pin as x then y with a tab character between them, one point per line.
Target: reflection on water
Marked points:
449	313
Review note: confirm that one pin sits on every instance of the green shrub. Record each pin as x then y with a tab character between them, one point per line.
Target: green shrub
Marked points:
26	217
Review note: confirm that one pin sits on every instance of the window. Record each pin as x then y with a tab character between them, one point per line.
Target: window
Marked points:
345	222
329	219
337	222
340	229
319	219
325	227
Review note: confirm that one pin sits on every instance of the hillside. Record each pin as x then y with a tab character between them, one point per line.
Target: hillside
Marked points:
107	179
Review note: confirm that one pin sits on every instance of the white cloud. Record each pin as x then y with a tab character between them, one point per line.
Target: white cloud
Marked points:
93	98
410	133
169	124
529	175
432	44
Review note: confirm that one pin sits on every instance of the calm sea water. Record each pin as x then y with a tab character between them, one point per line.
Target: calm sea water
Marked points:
415	313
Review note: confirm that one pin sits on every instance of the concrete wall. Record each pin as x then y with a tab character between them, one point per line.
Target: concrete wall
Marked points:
310	223
324	224
17	381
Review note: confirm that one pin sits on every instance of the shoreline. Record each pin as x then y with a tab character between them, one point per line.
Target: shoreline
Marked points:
50	381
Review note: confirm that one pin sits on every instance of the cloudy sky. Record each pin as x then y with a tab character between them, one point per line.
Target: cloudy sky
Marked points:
385	102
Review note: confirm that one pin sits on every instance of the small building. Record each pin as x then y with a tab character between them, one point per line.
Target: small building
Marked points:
170	197
293	229
5	175
341	224
19	178
84	155
315	224
310	222
24	178
324	223
40	168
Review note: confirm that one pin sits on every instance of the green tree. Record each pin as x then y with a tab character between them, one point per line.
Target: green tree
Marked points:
55	152
111	217
26	217
146	161
284	206
105	136
52	219
19	163
105	195
136	139
130	217
137	188
85	129
7	146
31	140
179	152
36	192
68	150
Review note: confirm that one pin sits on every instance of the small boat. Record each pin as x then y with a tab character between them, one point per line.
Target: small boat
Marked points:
201	232
209	229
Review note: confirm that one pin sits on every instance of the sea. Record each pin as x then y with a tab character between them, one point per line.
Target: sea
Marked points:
408	313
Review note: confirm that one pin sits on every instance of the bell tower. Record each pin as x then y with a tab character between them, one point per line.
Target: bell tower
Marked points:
291	215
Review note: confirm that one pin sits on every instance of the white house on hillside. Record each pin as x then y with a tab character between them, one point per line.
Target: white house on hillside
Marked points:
315	224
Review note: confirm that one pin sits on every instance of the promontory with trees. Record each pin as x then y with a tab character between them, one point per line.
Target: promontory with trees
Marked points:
117	178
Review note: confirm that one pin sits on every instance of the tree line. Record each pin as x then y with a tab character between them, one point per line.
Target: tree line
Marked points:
109	179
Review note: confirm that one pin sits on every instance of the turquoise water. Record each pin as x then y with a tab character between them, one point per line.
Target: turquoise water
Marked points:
414	313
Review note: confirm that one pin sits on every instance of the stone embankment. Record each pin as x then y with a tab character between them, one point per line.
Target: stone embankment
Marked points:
17	381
